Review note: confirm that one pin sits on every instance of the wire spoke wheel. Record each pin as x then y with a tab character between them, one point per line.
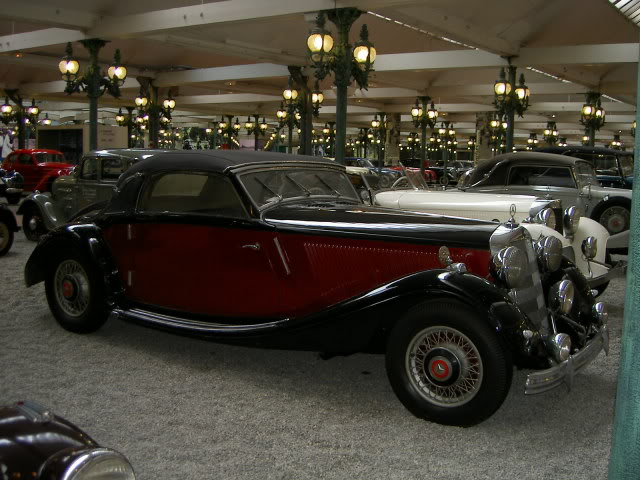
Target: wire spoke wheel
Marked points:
71	286
444	366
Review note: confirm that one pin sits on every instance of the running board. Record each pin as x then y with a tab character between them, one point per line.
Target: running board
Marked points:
186	325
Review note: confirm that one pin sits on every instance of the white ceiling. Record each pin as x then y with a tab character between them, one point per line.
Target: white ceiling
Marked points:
230	56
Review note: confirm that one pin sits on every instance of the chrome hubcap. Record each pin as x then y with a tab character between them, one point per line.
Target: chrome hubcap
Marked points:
444	366
615	219
33	223
71	286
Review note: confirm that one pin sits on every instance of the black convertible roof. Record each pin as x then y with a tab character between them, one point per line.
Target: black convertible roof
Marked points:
216	160
582	149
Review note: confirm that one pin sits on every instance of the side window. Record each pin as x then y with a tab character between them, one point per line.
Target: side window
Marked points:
200	193
25	159
112	168
89	169
541	176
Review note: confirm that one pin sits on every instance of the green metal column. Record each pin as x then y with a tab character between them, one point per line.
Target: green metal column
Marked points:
624	463
511	111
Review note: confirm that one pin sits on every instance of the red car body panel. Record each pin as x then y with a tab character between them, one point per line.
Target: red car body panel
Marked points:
37	175
286	275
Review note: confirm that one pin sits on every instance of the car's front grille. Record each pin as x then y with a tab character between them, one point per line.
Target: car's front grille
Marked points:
529	296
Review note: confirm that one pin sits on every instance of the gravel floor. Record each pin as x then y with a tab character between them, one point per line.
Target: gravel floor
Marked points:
182	408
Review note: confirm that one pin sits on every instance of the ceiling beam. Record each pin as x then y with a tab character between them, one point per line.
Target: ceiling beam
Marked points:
438	60
39	38
236	72
228	98
578	54
159	21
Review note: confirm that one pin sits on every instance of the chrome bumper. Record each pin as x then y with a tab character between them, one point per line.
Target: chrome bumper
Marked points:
11	190
541	381
618	270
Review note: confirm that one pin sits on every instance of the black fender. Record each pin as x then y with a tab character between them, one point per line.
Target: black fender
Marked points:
9	218
362	324
86	239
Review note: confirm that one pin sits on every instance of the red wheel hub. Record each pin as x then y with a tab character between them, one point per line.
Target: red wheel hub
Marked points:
68	289
440	369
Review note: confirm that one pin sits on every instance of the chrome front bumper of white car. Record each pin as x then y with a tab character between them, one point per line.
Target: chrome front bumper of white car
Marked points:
617	270
544	380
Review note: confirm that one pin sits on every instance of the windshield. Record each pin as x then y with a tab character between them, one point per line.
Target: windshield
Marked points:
358	162
44	157
585	175
275	185
626	164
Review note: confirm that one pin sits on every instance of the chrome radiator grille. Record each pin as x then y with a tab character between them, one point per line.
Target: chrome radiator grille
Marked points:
530	296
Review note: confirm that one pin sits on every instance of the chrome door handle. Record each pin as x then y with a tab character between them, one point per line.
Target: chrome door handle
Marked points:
252	246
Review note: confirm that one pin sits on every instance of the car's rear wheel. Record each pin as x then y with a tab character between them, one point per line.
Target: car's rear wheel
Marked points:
446	365
75	293
6	237
32	224
614	215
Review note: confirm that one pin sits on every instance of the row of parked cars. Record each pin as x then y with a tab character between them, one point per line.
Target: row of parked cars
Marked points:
454	303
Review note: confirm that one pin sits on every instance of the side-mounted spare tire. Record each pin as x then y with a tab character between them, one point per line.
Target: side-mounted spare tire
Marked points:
447	365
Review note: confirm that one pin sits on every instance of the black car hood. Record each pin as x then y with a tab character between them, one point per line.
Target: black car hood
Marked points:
381	224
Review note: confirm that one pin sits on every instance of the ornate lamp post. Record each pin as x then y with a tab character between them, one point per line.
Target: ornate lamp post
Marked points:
229	130
256	128
616	144
317	97
127	120
23	117
448	144
379	130
592	116
424	117
471	145
633	129
92	81
562	142
347	63
510	99
551	133
532	141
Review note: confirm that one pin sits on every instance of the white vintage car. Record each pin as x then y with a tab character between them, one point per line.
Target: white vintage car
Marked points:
584	240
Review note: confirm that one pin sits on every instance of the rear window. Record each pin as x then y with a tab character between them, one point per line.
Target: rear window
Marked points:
541	176
44	157
192	192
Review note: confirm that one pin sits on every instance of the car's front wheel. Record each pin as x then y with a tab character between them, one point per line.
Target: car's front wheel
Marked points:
13	198
6	237
447	365
75	293
32	224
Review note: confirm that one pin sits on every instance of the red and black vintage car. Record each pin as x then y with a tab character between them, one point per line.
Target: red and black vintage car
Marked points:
278	251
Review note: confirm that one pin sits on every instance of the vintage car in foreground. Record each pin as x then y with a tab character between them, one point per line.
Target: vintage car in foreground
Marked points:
92	181
37	444
8	226
614	168
571	180
273	250
571	229
39	167
11	184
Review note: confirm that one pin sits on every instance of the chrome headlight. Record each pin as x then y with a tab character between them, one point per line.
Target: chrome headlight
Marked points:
560	345
546	217
590	247
510	265
561	296
99	463
549	250
570	220
600	312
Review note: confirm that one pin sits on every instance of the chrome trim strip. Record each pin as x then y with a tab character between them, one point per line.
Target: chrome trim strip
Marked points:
194	325
34	412
282	257
544	380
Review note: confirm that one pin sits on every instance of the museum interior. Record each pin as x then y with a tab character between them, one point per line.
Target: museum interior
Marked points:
372	239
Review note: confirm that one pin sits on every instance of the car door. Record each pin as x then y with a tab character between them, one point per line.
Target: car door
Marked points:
546	181
28	168
192	248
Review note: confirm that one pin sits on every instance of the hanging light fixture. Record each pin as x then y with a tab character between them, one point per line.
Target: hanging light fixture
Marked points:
120	118
169	104
141	100
249	125
364	52
290	94
317	97
46	121
633	129
236	125
551	133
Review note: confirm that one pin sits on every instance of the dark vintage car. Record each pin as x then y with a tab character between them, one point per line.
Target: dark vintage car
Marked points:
273	250
11	186
39	167
36	444
614	168
8	226
385	176
92	181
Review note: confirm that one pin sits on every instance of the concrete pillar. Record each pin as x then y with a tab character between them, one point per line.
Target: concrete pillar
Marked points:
391	149
483	149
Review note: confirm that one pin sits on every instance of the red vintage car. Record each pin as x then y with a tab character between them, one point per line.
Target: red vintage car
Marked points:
39	167
272	250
